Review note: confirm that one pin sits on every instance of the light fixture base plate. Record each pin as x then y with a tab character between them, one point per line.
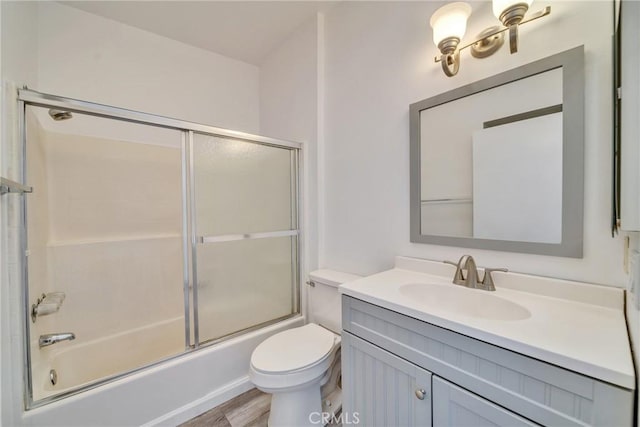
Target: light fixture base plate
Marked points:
488	42
448	45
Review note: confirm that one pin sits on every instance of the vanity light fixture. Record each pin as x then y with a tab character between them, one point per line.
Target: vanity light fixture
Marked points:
449	24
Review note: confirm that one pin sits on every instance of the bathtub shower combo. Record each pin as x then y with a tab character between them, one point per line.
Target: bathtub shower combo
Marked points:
146	238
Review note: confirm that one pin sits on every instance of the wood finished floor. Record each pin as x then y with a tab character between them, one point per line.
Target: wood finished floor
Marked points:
250	409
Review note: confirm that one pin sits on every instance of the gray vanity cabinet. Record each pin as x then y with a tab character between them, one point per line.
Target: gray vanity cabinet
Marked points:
384	389
387	357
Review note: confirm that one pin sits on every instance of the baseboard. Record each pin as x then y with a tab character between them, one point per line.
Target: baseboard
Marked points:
202	405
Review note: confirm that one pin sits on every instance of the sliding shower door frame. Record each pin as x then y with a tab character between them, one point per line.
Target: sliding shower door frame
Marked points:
25	317
186	232
294	232
193	241
27	97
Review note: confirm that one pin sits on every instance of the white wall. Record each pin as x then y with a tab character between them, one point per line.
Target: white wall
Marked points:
290	88
379	59
19	42
81	55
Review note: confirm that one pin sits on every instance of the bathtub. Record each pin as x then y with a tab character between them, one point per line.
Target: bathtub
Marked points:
166	393
78	364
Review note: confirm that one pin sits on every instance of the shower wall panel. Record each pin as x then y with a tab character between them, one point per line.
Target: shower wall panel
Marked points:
114	220
106	189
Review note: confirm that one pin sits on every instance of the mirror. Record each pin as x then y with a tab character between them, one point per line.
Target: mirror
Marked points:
498	164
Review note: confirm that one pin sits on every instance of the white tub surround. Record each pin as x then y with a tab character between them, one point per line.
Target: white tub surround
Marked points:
577	326
167	393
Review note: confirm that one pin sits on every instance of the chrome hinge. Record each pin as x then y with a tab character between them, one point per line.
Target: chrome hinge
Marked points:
310	283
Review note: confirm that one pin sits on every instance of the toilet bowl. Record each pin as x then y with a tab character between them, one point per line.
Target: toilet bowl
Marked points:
300	367
291	366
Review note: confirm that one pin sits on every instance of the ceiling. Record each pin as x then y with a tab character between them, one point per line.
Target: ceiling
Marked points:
244	30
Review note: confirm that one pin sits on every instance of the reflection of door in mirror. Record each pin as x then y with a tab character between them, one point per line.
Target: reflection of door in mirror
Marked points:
517	180
491	163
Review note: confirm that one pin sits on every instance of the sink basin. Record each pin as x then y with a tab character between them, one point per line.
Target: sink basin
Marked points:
468	302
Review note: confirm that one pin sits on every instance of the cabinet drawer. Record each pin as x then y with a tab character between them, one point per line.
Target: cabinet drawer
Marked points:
541	392
454	406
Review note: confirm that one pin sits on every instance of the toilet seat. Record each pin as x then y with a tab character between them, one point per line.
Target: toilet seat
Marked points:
294	350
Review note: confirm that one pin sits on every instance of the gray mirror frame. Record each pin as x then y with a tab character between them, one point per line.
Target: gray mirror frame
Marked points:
572	63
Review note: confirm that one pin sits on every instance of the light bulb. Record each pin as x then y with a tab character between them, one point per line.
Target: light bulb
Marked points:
450	21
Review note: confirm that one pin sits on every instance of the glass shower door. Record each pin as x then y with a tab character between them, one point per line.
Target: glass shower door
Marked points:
105	270
145	237
245	234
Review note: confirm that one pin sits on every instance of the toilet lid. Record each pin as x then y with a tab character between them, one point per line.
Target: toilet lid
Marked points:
293	349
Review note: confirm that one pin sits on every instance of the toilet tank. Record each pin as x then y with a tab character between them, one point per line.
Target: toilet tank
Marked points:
324	299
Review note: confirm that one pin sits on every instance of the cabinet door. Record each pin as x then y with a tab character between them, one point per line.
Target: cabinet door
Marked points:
380	389
455	406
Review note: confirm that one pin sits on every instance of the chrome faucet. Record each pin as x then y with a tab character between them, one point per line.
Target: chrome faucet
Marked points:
468	264
50	339
470	279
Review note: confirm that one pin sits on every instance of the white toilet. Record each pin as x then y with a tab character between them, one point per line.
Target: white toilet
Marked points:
300	367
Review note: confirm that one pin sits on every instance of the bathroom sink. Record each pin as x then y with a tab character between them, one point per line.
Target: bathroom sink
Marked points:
461	300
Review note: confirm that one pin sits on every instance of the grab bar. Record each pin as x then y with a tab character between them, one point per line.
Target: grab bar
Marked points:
8	186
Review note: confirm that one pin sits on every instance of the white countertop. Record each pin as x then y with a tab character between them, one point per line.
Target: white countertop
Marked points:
577	326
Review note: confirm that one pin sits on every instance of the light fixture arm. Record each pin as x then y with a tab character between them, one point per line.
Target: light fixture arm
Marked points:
451	63
450	55
513	36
